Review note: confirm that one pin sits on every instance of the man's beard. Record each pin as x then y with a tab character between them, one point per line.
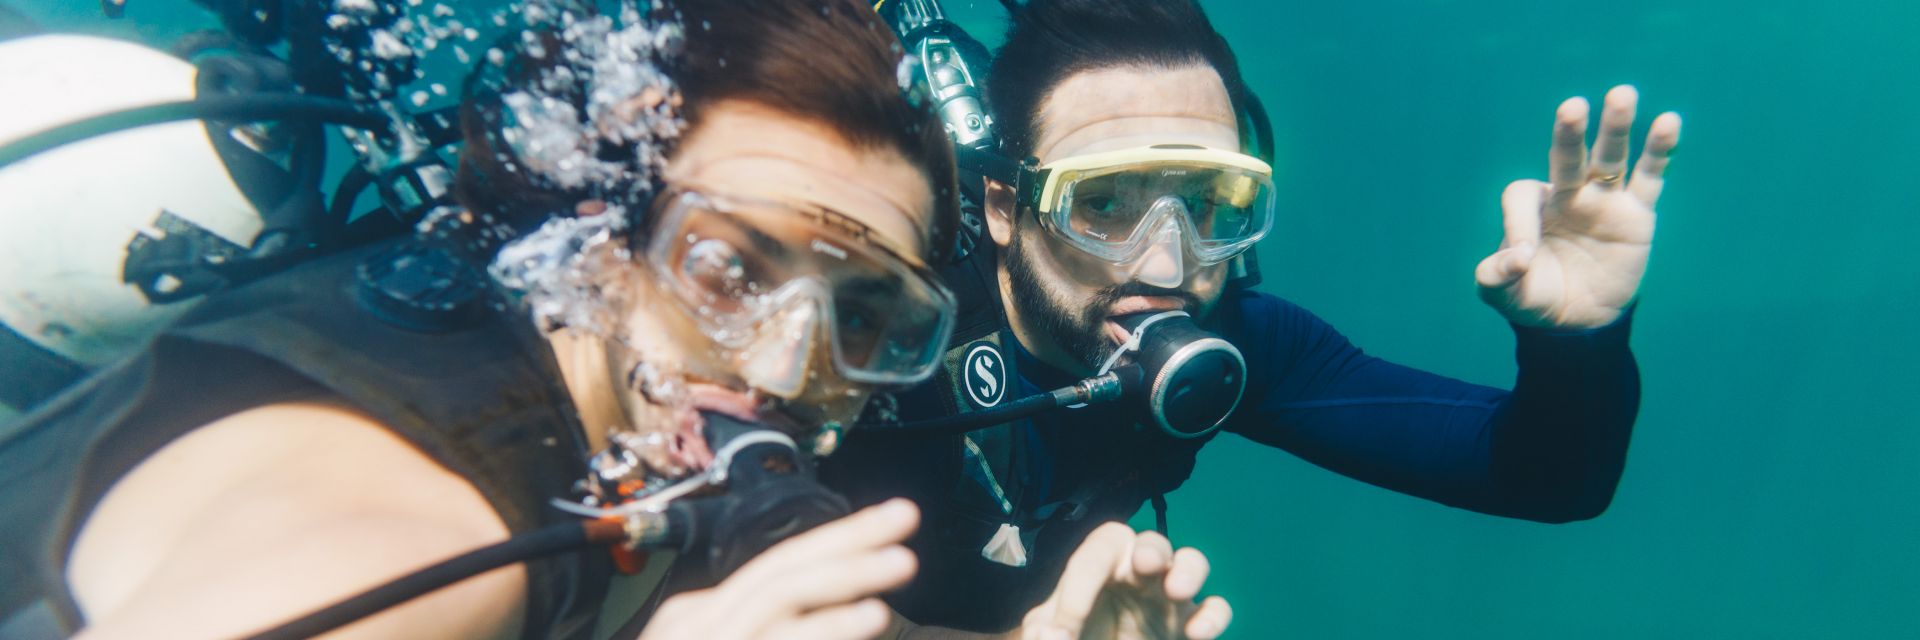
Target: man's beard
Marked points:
1080	333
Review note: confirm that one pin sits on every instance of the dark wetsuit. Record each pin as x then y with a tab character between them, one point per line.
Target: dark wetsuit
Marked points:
1551	450
476	391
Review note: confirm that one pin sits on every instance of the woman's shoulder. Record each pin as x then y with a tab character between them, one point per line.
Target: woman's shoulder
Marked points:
326	495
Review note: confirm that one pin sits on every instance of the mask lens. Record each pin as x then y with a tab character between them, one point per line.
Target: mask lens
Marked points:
1231	208
1105	210
889	329
732	262
719	262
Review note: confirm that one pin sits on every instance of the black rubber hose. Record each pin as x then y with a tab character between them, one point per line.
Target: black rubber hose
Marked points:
1262	127
551	540
351	185
986	163
247	108
963	422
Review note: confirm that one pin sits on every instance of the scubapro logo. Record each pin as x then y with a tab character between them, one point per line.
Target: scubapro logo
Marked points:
986	376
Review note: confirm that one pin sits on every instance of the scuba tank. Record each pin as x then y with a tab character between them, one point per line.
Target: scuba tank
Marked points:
121	213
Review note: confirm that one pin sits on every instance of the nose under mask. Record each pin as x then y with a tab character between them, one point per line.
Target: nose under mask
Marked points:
1163	263
778	359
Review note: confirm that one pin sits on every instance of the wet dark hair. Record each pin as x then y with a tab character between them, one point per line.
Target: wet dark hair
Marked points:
828	61
1051	40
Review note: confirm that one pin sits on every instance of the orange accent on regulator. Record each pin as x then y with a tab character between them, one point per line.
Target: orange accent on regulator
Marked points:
628	562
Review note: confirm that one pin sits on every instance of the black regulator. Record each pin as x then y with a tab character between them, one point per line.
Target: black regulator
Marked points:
769	494
1188	380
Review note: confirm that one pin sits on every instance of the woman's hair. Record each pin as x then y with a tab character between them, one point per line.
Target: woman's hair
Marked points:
831	62
1051	40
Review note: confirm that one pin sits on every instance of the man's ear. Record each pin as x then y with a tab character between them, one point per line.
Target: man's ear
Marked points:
999	205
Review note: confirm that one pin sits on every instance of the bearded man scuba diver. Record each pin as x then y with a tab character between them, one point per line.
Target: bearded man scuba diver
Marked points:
1112	258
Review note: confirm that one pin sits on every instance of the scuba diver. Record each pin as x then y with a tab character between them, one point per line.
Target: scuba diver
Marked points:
682	257
1126	174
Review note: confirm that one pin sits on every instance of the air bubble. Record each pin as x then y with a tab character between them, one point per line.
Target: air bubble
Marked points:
388	47
716	266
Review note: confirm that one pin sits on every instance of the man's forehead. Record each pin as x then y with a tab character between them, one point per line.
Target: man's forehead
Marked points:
1135	105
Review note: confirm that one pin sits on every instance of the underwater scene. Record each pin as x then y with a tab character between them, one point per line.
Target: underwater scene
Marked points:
855	319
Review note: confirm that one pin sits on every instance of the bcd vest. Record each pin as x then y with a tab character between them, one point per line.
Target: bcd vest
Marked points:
403	332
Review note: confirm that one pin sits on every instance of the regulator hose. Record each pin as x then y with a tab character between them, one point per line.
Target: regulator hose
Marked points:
1104	388
239	108
540	543
963	422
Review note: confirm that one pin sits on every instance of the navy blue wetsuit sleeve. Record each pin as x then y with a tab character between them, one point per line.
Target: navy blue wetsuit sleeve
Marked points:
1551	450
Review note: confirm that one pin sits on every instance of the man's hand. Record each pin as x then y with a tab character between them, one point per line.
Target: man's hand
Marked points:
819	585
1127	586
1576	247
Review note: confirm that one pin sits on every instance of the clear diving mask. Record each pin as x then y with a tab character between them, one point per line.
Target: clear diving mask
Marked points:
743	267
1118	205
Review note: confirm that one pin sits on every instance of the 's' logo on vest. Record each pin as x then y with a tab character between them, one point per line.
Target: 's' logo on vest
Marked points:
986	375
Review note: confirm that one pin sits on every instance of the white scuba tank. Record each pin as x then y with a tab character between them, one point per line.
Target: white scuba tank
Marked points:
68	216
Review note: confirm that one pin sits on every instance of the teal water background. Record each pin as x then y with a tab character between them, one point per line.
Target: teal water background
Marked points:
1772	490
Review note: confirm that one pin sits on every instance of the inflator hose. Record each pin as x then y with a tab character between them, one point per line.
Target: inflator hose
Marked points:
550	540
238	108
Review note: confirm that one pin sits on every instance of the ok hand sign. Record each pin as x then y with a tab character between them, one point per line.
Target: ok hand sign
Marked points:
1576	248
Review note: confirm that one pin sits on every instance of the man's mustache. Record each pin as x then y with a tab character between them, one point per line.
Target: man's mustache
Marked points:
1110	295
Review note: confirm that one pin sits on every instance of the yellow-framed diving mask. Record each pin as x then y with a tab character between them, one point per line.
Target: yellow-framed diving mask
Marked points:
1116	205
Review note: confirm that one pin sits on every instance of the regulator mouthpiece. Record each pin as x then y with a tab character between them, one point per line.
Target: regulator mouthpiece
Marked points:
1187	378
770	495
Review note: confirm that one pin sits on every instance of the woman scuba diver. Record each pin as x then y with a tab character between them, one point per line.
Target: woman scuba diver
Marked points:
738	218
306	436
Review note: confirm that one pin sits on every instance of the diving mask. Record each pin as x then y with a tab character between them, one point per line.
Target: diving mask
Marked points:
1117	205
743	266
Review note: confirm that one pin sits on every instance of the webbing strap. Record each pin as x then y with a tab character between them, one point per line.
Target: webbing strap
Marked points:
1160	513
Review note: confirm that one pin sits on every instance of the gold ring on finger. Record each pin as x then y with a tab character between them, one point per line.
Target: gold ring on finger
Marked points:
1610	179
